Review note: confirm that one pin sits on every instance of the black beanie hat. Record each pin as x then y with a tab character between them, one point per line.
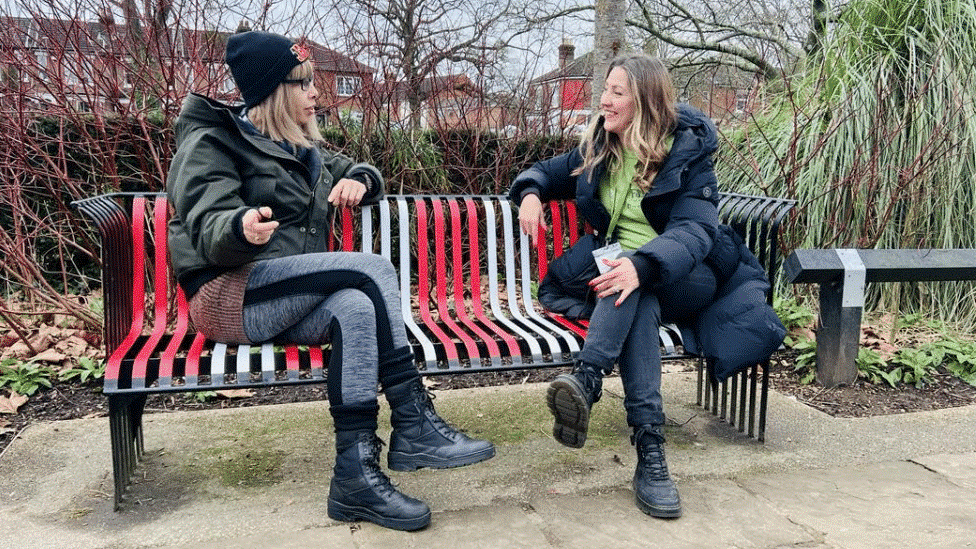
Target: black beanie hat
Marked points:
259	61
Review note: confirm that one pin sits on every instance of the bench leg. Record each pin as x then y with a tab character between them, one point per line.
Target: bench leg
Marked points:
763	401
838	336
125	430
740	401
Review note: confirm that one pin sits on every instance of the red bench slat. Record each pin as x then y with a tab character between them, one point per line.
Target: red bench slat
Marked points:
114	364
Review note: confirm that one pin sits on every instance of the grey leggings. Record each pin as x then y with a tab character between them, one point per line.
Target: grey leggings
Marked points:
348	299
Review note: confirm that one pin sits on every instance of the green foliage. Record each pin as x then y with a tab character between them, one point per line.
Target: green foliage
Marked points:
24	378
876	139
203	396
960	359
872	367
793	315
88	369
805	364
911	365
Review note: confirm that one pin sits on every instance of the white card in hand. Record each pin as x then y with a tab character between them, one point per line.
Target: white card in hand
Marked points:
610	251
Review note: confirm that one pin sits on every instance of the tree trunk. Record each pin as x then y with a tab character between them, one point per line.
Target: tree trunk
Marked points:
608	42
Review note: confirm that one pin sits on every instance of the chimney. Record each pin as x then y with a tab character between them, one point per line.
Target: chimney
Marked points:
566	53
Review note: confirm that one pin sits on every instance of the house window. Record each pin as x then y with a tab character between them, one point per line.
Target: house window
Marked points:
347	85
741	100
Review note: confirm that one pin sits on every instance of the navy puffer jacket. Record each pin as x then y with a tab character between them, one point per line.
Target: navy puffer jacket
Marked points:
682	207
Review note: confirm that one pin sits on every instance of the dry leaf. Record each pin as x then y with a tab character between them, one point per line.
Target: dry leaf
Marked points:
72	346
50	355
10	404
236	393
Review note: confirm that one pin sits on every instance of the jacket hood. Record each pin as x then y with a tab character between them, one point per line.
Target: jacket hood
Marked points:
695	137
200	112
698	124
203	113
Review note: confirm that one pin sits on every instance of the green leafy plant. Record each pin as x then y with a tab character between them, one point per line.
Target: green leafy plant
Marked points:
805	364
24	378
203	396
916	365
88	369
960	359
871	366
793	315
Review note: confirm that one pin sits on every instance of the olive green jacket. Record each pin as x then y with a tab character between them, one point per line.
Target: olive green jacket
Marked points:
220	170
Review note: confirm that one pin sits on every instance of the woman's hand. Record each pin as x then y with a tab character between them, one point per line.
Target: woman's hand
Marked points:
259	225
622	278
347	192
530	216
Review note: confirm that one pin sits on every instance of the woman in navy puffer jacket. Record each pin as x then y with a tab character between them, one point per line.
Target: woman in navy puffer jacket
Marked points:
643	176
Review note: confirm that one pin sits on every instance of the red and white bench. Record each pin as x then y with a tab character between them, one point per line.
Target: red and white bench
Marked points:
467	276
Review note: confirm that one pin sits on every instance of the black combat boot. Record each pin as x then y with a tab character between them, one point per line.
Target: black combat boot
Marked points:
654	490
570	398
422	439
361	491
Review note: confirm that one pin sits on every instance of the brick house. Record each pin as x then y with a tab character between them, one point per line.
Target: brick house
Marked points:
446	102
560	99
344	84
90	66
85	66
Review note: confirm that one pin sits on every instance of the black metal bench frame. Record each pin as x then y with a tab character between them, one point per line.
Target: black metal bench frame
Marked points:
460	319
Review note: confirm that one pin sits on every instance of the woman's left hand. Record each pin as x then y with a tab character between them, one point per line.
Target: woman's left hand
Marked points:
621	278
347	192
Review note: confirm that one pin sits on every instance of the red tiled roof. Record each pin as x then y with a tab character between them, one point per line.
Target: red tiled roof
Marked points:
333	61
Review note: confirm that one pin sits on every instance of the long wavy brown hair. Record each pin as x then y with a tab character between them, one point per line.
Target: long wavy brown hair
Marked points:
655	117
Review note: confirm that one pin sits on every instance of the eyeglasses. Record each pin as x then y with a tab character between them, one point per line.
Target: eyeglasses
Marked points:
304	82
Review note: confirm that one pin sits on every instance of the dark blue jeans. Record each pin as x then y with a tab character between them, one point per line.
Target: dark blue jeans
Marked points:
628	336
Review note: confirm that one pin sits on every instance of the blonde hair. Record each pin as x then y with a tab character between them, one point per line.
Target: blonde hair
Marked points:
655	116
275	116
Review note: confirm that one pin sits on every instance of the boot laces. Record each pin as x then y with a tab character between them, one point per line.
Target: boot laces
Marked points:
425	399
371	465
590	380
650	454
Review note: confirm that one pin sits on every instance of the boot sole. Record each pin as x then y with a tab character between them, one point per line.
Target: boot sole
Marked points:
346	513
400	461
658	512
567	403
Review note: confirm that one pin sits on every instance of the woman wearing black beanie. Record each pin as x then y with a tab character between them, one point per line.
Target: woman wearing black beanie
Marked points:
253	192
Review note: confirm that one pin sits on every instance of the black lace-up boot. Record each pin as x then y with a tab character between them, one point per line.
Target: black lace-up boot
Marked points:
422	439
570	398
361	491
654	490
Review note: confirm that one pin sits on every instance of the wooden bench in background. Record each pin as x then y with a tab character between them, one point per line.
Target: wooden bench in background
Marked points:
842	275
467	276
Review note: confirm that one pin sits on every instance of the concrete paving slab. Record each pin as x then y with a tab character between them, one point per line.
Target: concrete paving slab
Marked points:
959	469
874	506
259	477
717	513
